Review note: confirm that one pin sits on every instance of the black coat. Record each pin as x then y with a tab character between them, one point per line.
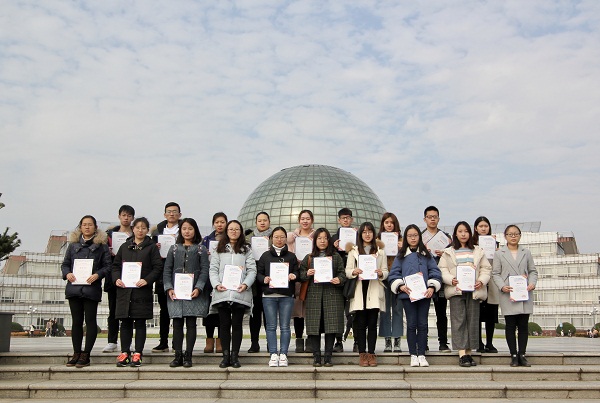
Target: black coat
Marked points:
263	269
137	303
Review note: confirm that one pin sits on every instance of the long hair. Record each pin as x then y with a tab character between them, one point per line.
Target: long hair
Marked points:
310	213
421	248
329	250
396	224
456	243
475	233
239	247
197	236
91	218
359	241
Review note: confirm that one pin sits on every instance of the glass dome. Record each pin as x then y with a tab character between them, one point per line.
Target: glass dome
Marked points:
322	189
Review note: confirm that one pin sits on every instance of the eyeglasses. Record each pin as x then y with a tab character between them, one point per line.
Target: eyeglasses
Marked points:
432	217
513	235
172	212
346	217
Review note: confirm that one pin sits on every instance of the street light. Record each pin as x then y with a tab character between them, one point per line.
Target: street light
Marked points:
31	311
594	312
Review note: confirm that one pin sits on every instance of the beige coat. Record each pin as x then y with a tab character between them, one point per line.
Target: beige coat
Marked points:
376	290
483	272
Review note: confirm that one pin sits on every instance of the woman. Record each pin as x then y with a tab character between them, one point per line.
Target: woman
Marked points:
324	300
211	322
514	260
88	247
414	259
135	304
488	310
278	301
391	321
464	303
369	294
306	220
186	257
232	304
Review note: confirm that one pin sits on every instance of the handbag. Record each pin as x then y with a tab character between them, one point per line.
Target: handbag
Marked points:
350	287
304	285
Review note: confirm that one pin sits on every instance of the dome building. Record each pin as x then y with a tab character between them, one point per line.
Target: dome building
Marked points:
320	188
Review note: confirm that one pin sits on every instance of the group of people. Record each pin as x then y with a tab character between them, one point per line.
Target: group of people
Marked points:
356	279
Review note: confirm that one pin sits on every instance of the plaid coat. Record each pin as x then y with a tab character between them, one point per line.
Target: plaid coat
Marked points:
324	298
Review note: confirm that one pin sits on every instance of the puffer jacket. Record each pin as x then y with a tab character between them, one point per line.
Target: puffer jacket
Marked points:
413	263
217	269
483	272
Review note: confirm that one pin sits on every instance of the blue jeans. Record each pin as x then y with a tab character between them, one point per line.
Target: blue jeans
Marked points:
391	321
416	324
274	307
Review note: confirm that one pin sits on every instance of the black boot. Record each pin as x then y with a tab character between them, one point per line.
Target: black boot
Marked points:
523	361
235	359
187	359
327	361
317	359
226	362
178	360
254	347
514	360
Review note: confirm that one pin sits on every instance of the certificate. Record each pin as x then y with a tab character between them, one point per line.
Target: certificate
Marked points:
519	288
303	247
131	274
437	242
390	239
416	284
347	235
368	265
183	285
82	270
232	277
260	244
465	275
212	247
279	273
488	244
323	269
118	239
165	241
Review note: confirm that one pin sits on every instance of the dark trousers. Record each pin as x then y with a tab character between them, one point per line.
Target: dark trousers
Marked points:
164	320
256	320
190	335
440	303
127	326
113	323
366	320
299	327
210	323
83	309
315	341
514	323
231	317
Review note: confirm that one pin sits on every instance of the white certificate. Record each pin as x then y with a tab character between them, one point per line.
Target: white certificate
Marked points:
260	244
212	247
390	239
519	288
323	269
437	242
118	239
465	275
488	244
279	273
183	285
82	270
347	235
232	277
416	284
303	247
368	265
131	274
165	241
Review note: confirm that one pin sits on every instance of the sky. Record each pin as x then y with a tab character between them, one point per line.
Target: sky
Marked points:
478	107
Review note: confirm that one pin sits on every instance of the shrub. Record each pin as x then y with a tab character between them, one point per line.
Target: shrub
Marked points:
567	329
98	330
533	327
16	327
500	326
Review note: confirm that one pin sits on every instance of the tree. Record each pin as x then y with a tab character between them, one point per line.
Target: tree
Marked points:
8	243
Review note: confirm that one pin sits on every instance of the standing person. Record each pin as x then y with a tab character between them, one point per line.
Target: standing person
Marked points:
87	244
391	321
211	321
440	303
134	305
31	330
170	226
488	310
277	301
263	229
48	328
514	260
413	258
464	304
306	220
232	304
369	294
126	216
324	301
186	257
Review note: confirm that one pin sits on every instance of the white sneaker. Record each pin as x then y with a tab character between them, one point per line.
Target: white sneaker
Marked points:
274	361
414	361
423	361
110	348
283	361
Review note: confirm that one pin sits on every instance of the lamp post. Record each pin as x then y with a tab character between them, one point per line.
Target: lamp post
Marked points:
593	313
31	311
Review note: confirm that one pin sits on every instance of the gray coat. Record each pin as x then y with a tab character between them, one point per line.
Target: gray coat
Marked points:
191	260
217	268
505	266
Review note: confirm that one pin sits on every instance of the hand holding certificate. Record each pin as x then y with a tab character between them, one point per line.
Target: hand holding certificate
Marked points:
488	244
131	274
303	247
165	241
118	239
438	242
519	288
279	273
232	277
82	270
465	275
390	239
347	235
368	265
416	284
260	244
183	285
323	269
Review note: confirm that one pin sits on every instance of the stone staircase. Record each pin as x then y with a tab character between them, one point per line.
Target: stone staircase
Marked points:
552	376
